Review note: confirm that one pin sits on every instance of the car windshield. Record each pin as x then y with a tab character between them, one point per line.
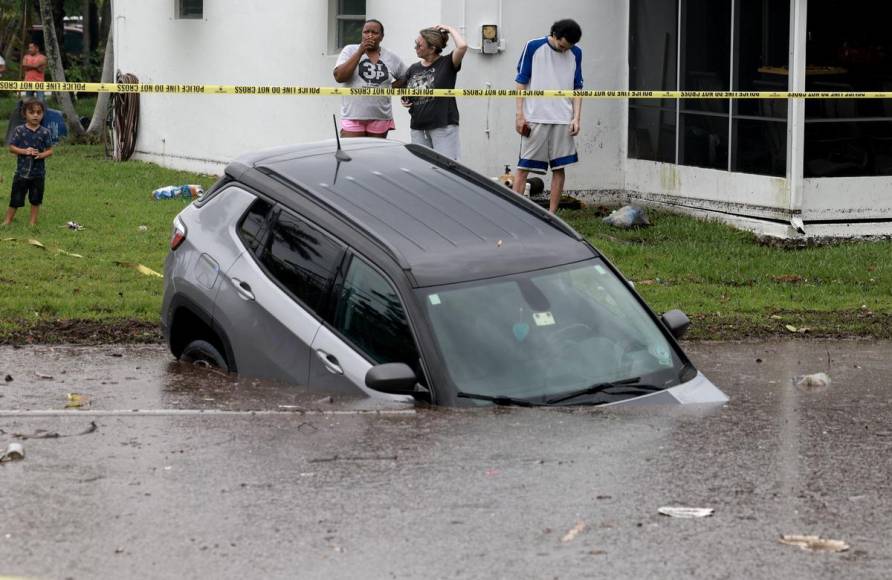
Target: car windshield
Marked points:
540	335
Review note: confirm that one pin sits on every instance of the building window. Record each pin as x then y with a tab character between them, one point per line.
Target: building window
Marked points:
348	17
848	50
710	45
190	9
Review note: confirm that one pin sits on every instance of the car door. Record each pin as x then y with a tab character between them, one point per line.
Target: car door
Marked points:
368	327
269	298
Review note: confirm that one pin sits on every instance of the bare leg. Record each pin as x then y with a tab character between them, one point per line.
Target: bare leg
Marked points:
557	187
35	209
10	213
520	181
377	135
354	134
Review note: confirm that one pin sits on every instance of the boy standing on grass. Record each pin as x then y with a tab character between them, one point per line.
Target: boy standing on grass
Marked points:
32	143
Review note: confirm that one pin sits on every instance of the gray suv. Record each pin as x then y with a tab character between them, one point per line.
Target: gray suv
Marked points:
387	269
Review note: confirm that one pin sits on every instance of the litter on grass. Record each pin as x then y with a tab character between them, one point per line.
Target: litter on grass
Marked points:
626	217
140	268
177	191
686	512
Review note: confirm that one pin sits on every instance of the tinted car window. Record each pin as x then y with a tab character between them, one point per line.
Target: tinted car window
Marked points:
370	315
302	259
253	224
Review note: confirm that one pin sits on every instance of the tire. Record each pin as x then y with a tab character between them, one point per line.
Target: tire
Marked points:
203	353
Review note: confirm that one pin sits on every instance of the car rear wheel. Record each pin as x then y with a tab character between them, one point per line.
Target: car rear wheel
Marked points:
203	353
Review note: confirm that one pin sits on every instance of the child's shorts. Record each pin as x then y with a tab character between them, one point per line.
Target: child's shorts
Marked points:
30	186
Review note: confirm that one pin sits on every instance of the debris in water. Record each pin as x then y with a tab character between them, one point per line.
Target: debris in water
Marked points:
812	382
686	512
14	452
575	531
814	543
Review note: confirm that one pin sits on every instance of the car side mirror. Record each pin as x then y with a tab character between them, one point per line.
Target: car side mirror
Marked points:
677	322
392	378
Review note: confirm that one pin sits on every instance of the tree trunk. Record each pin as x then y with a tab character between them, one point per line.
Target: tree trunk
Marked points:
87	25
100	118
55	64
105	22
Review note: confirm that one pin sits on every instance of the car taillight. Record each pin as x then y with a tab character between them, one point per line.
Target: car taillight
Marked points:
179	233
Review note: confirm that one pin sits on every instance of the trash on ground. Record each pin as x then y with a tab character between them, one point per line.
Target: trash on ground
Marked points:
575	531
686	512
37	243
814	543
66	253
628	216
14	451
74	226
177	191
44	434
8	378
140	268
40	375
800	330
143	228
810	382
77	401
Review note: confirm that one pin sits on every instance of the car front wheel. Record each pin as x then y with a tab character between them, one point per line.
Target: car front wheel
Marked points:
203	353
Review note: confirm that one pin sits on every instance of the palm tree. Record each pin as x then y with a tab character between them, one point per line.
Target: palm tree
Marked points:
54	57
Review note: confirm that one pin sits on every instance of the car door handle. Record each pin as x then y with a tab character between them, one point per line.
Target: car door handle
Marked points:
243	289
330	362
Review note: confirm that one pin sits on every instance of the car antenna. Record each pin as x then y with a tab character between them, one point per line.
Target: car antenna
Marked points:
340	155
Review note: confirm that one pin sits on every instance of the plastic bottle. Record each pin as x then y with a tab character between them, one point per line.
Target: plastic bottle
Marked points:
174	191
168	192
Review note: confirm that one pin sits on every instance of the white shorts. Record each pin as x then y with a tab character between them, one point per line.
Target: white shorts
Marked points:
548	145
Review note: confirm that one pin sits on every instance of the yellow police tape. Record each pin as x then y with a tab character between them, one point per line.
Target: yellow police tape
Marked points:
288	90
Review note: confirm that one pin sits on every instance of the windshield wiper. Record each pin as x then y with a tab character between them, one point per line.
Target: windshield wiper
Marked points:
499	400
599	387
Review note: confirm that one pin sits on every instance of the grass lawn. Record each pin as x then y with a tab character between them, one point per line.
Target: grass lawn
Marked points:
729	284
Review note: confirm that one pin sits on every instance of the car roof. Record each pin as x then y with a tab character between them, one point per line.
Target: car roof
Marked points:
440	220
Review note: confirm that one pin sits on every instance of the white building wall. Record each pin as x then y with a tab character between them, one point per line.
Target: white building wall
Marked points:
284	42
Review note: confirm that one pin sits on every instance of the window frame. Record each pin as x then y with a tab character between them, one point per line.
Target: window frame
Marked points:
335	304
180	10
732	117
322	311
336	17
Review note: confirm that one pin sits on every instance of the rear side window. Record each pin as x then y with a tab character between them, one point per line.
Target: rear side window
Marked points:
254	225
370	315
302	259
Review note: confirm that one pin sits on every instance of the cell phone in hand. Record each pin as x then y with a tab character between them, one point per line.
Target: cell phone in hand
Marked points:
525	131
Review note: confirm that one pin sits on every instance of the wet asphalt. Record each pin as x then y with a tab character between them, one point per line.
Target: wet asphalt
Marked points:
192	474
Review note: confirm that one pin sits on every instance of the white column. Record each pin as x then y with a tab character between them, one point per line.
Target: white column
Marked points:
796	107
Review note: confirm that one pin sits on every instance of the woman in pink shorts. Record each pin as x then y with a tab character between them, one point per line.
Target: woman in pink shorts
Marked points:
368	65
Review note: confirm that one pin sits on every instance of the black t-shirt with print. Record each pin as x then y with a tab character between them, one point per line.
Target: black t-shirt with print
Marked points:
433	112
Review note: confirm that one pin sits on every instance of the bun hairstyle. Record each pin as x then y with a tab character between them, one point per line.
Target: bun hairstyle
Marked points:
435	38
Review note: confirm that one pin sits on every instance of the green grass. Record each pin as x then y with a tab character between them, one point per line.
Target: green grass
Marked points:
730	284
111	201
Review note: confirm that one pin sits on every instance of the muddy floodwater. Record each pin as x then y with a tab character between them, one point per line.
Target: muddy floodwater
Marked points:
138	466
